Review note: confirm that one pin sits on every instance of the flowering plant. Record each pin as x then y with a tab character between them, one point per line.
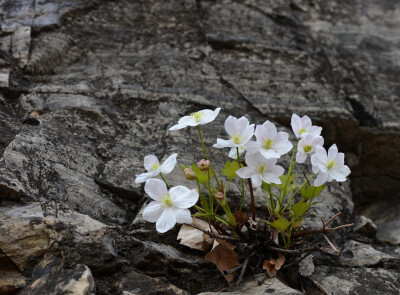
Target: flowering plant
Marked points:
224	226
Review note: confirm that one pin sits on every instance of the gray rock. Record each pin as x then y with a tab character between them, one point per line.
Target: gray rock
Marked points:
76	280
21	42
365	227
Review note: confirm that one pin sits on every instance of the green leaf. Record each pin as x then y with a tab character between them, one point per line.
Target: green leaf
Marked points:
300	208
311	192
201	176
290	186
280	224
230	169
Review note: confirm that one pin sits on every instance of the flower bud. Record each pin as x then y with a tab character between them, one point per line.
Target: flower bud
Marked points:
189	174
219	195
204	165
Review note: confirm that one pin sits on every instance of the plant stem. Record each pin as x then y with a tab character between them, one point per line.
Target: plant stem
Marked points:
240	165
291	198
203	200
253	207
208	158
210	193
165	180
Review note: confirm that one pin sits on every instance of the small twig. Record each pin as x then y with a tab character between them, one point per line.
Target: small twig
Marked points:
319	287
330	244
246	262
296	261
320	230
330	220
298	251
228	272
253	206
306	179
211	234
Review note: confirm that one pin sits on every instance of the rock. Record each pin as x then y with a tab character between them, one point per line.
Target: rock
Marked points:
356	281
270	286
11	282
4	77
136	283
359	254
365	227
77	280
21	42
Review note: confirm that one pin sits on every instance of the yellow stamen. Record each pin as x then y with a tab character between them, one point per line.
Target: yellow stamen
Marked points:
237	139
302	130
166	200
197	116
307	148
331	164
268	143
155	166
261	169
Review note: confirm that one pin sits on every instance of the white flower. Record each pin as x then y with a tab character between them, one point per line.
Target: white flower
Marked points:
307	146
303	126
260	169
170	207
240	131
329	166
270	143
197	118
154	168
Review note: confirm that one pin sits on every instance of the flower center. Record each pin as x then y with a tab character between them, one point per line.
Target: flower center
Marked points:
302	130
268	143
262	168
331	164
166	200
307	148
237	139
197	116
155	166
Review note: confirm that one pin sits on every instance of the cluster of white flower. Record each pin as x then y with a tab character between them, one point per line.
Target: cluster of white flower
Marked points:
261	158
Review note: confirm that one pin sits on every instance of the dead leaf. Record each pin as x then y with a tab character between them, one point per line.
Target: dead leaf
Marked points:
241	218
194	238
275	236
224	257
272	266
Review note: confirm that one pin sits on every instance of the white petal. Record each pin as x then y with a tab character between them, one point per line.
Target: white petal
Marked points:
339	159
321	179
252	147
296	124
233	153
301	157
253	160
149	161
169	164
166	221
183	215
339	173
152	211
155	188
270	178
269	130
183	197
230	125
276	170
242	125
268	154
146	176
248	133
333	150
245	172
315	130
256	181
209	116
282	146
177	127
222	143
306	123
318	140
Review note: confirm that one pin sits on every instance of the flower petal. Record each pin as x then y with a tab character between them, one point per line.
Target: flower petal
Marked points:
315	130
146	176
301	157
306	123
155	188
269	130
169	164
222	143
339	173
230	125
183	215
256	181
152	211
296	124
245	172
209	115
149	161
166	221
252	147
321	179
268	154
332	152
183	197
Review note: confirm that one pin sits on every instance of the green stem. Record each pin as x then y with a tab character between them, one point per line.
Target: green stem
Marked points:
240	165
300	187
271	200
203	200
165	180
210	193
205	152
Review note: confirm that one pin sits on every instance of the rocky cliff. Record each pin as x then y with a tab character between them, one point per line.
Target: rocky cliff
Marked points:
89	87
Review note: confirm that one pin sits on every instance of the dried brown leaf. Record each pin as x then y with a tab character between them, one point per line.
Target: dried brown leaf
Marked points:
224	257
273	265
241	218
194	238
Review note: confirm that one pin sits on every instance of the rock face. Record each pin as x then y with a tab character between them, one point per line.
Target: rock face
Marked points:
89	87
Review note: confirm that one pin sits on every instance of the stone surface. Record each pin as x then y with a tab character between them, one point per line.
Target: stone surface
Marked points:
77	280
11	282
365	227
108	78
